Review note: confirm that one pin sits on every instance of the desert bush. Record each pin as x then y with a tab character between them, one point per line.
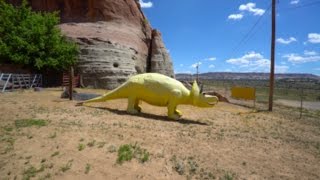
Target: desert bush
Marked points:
126	152
30	122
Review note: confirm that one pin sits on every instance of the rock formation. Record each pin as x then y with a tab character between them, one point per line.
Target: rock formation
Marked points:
159	58
115	38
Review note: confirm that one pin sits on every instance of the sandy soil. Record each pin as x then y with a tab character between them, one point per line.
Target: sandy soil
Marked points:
224	142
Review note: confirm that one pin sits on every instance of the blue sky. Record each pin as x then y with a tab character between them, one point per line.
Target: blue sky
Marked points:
234	35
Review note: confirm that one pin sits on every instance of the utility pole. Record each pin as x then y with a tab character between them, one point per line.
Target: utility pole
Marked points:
197	73
273	38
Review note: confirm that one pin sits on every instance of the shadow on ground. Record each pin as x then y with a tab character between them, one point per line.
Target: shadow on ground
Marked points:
152	116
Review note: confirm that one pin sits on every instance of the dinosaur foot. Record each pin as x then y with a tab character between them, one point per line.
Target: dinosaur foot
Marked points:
133	111
138	108
174	116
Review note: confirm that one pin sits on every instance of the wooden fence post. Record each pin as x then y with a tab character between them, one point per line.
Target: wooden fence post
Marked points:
71	74
301	102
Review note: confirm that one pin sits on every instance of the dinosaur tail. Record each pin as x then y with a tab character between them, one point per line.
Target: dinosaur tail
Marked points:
114	94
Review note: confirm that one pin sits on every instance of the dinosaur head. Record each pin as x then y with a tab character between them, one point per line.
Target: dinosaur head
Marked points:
200	99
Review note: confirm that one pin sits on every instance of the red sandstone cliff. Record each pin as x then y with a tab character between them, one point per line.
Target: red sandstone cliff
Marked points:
115	38
90	10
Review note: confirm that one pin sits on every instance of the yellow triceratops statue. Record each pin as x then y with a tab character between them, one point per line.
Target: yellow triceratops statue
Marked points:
159	90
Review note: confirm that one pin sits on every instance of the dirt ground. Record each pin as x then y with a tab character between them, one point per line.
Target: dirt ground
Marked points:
224	142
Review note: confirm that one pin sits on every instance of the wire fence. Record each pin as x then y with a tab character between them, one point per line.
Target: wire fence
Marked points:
301	95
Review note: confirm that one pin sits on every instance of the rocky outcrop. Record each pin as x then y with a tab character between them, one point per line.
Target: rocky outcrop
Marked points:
159	58
110	52
116	40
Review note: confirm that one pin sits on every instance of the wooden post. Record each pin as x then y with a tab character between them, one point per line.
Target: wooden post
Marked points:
301	102
198	73
225	89
71	74
255	99
273	37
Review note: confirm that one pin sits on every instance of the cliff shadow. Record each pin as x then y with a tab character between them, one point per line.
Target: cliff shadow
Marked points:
152	116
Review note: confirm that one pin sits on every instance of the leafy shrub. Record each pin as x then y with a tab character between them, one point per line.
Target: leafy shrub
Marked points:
33	39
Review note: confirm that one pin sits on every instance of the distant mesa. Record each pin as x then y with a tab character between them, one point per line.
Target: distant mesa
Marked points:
115	38
249	76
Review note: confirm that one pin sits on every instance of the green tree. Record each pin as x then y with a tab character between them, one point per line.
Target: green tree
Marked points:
33	38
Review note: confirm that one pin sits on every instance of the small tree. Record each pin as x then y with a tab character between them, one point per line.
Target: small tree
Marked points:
33	39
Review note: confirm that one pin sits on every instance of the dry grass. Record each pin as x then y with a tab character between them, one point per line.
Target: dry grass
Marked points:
224	142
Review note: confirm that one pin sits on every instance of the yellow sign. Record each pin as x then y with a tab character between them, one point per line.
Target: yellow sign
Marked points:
247	93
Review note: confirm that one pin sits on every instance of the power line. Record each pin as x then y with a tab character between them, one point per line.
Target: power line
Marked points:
254	33
301	6
246	37
250	33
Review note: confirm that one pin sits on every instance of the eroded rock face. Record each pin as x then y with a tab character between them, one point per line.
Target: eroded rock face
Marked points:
160	59
110	52
116	40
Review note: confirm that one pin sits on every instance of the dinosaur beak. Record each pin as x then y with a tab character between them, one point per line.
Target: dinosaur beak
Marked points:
211	100
205	100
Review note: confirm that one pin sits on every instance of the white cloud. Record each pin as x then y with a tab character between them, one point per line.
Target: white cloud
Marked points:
314	38
251	7
212	66
255	62
235	16
310	53
286	41
251	61
246	59
145	4
196	64
294	1
210	59
298	59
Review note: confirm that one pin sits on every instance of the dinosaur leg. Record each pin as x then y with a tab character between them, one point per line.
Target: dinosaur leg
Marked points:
136	105
173	113
131	105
